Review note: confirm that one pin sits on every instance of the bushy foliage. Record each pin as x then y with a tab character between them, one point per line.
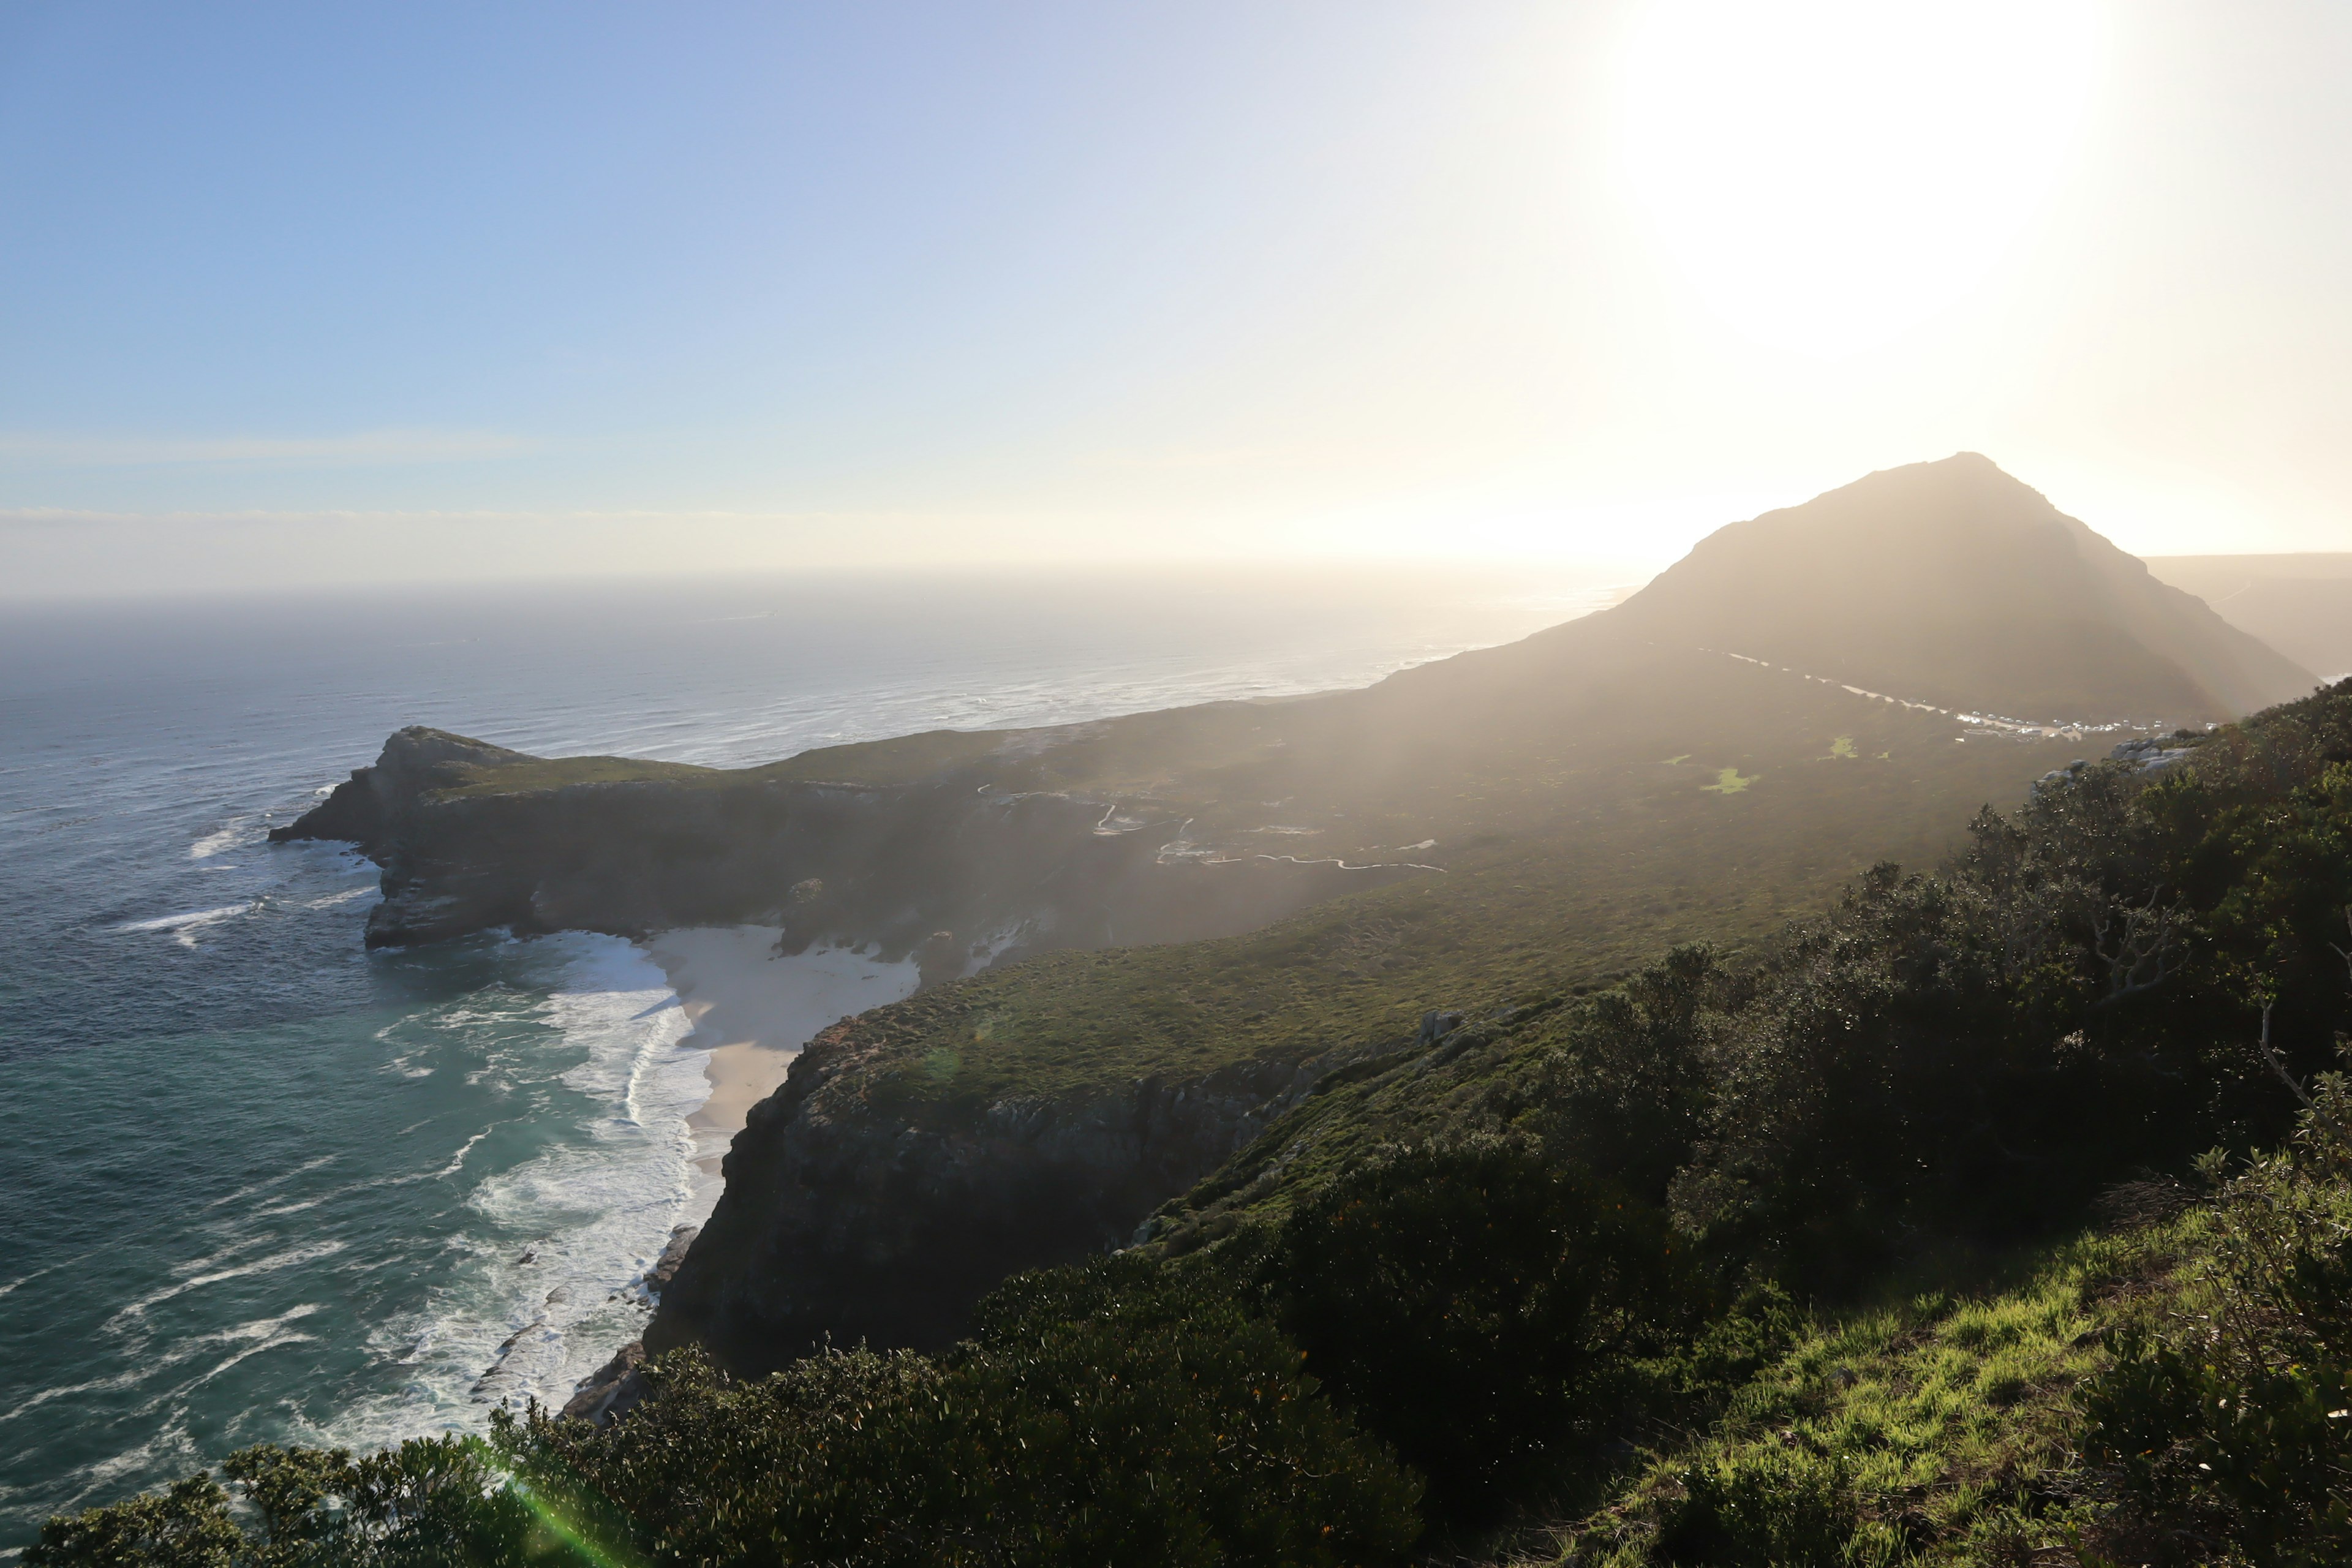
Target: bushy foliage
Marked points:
1104	1416
428	1504
1780	1506
1631	1096
1480	1307
1979	1051
2228	1425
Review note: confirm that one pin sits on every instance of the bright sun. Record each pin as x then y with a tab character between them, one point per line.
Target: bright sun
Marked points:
1828	173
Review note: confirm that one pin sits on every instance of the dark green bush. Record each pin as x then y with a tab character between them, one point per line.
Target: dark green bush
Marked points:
2231	1424
428	1504
1104	1416
1480	1307
1784	1508
1630	1092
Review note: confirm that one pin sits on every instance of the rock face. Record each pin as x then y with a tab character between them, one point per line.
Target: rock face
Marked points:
842	1219
611	1389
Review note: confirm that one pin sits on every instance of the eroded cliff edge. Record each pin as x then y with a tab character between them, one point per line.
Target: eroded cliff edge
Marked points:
854	1211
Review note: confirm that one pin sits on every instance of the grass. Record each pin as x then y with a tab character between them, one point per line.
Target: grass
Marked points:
907	759
1936	1428
1730	781
542	774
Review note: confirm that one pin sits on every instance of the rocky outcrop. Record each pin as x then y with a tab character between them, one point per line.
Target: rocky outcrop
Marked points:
846	1219
611	1389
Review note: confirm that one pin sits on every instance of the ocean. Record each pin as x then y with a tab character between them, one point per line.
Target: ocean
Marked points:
259	1185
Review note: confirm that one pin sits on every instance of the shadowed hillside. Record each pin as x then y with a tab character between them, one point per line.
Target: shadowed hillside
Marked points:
1954	583
2300	604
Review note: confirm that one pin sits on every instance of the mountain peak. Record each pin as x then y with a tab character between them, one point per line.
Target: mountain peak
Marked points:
1955	582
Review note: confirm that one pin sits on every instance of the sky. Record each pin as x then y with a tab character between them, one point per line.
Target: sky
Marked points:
299	294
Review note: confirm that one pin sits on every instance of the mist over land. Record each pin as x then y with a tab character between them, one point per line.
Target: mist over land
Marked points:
1192	986
1040	787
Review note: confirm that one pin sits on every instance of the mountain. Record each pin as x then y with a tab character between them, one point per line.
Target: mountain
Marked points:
2300	604
1952	583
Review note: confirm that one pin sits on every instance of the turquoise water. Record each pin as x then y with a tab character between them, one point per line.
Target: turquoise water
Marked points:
260	1185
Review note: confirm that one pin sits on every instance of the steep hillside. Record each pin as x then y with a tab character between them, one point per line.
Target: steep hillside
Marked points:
1952	583
2299	604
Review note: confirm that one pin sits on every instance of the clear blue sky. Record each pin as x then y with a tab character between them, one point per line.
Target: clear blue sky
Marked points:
311	293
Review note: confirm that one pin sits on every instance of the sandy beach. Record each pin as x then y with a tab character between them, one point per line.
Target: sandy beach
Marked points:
754	1010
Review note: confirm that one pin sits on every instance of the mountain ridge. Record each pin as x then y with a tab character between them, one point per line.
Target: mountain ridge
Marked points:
1953	583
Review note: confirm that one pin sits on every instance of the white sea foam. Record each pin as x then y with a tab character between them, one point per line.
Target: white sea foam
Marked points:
598	1209
290	1258
185	926
243	831
258	1334
305	1168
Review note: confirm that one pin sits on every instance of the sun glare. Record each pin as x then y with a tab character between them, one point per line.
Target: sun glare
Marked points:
1828	173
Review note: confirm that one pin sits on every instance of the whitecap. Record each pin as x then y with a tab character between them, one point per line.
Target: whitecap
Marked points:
184	925
591	1213
268	1181
228	838
289	1259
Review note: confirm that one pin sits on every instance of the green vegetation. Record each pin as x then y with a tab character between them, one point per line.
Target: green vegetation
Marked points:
536	774
1107	1416
1569	859
1766	1259
905	759
1935	1429
1843	747
1729	781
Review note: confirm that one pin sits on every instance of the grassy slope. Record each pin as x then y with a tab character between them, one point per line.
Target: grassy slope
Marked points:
1933	1429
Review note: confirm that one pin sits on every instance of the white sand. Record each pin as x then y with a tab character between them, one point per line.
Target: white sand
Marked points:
753	1010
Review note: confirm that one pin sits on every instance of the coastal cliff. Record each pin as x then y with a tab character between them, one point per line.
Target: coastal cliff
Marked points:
852	1214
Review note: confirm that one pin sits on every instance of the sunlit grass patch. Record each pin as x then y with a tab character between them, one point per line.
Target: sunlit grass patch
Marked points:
1730	781
1928	1432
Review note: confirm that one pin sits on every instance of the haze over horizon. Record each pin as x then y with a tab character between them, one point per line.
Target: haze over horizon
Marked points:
296	298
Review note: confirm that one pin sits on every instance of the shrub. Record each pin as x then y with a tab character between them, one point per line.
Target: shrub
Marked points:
1104	1415
2231	1424
429	1503
1480	1307
1772	1508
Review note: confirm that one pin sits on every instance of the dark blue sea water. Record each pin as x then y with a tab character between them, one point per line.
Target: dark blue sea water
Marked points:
256	1184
